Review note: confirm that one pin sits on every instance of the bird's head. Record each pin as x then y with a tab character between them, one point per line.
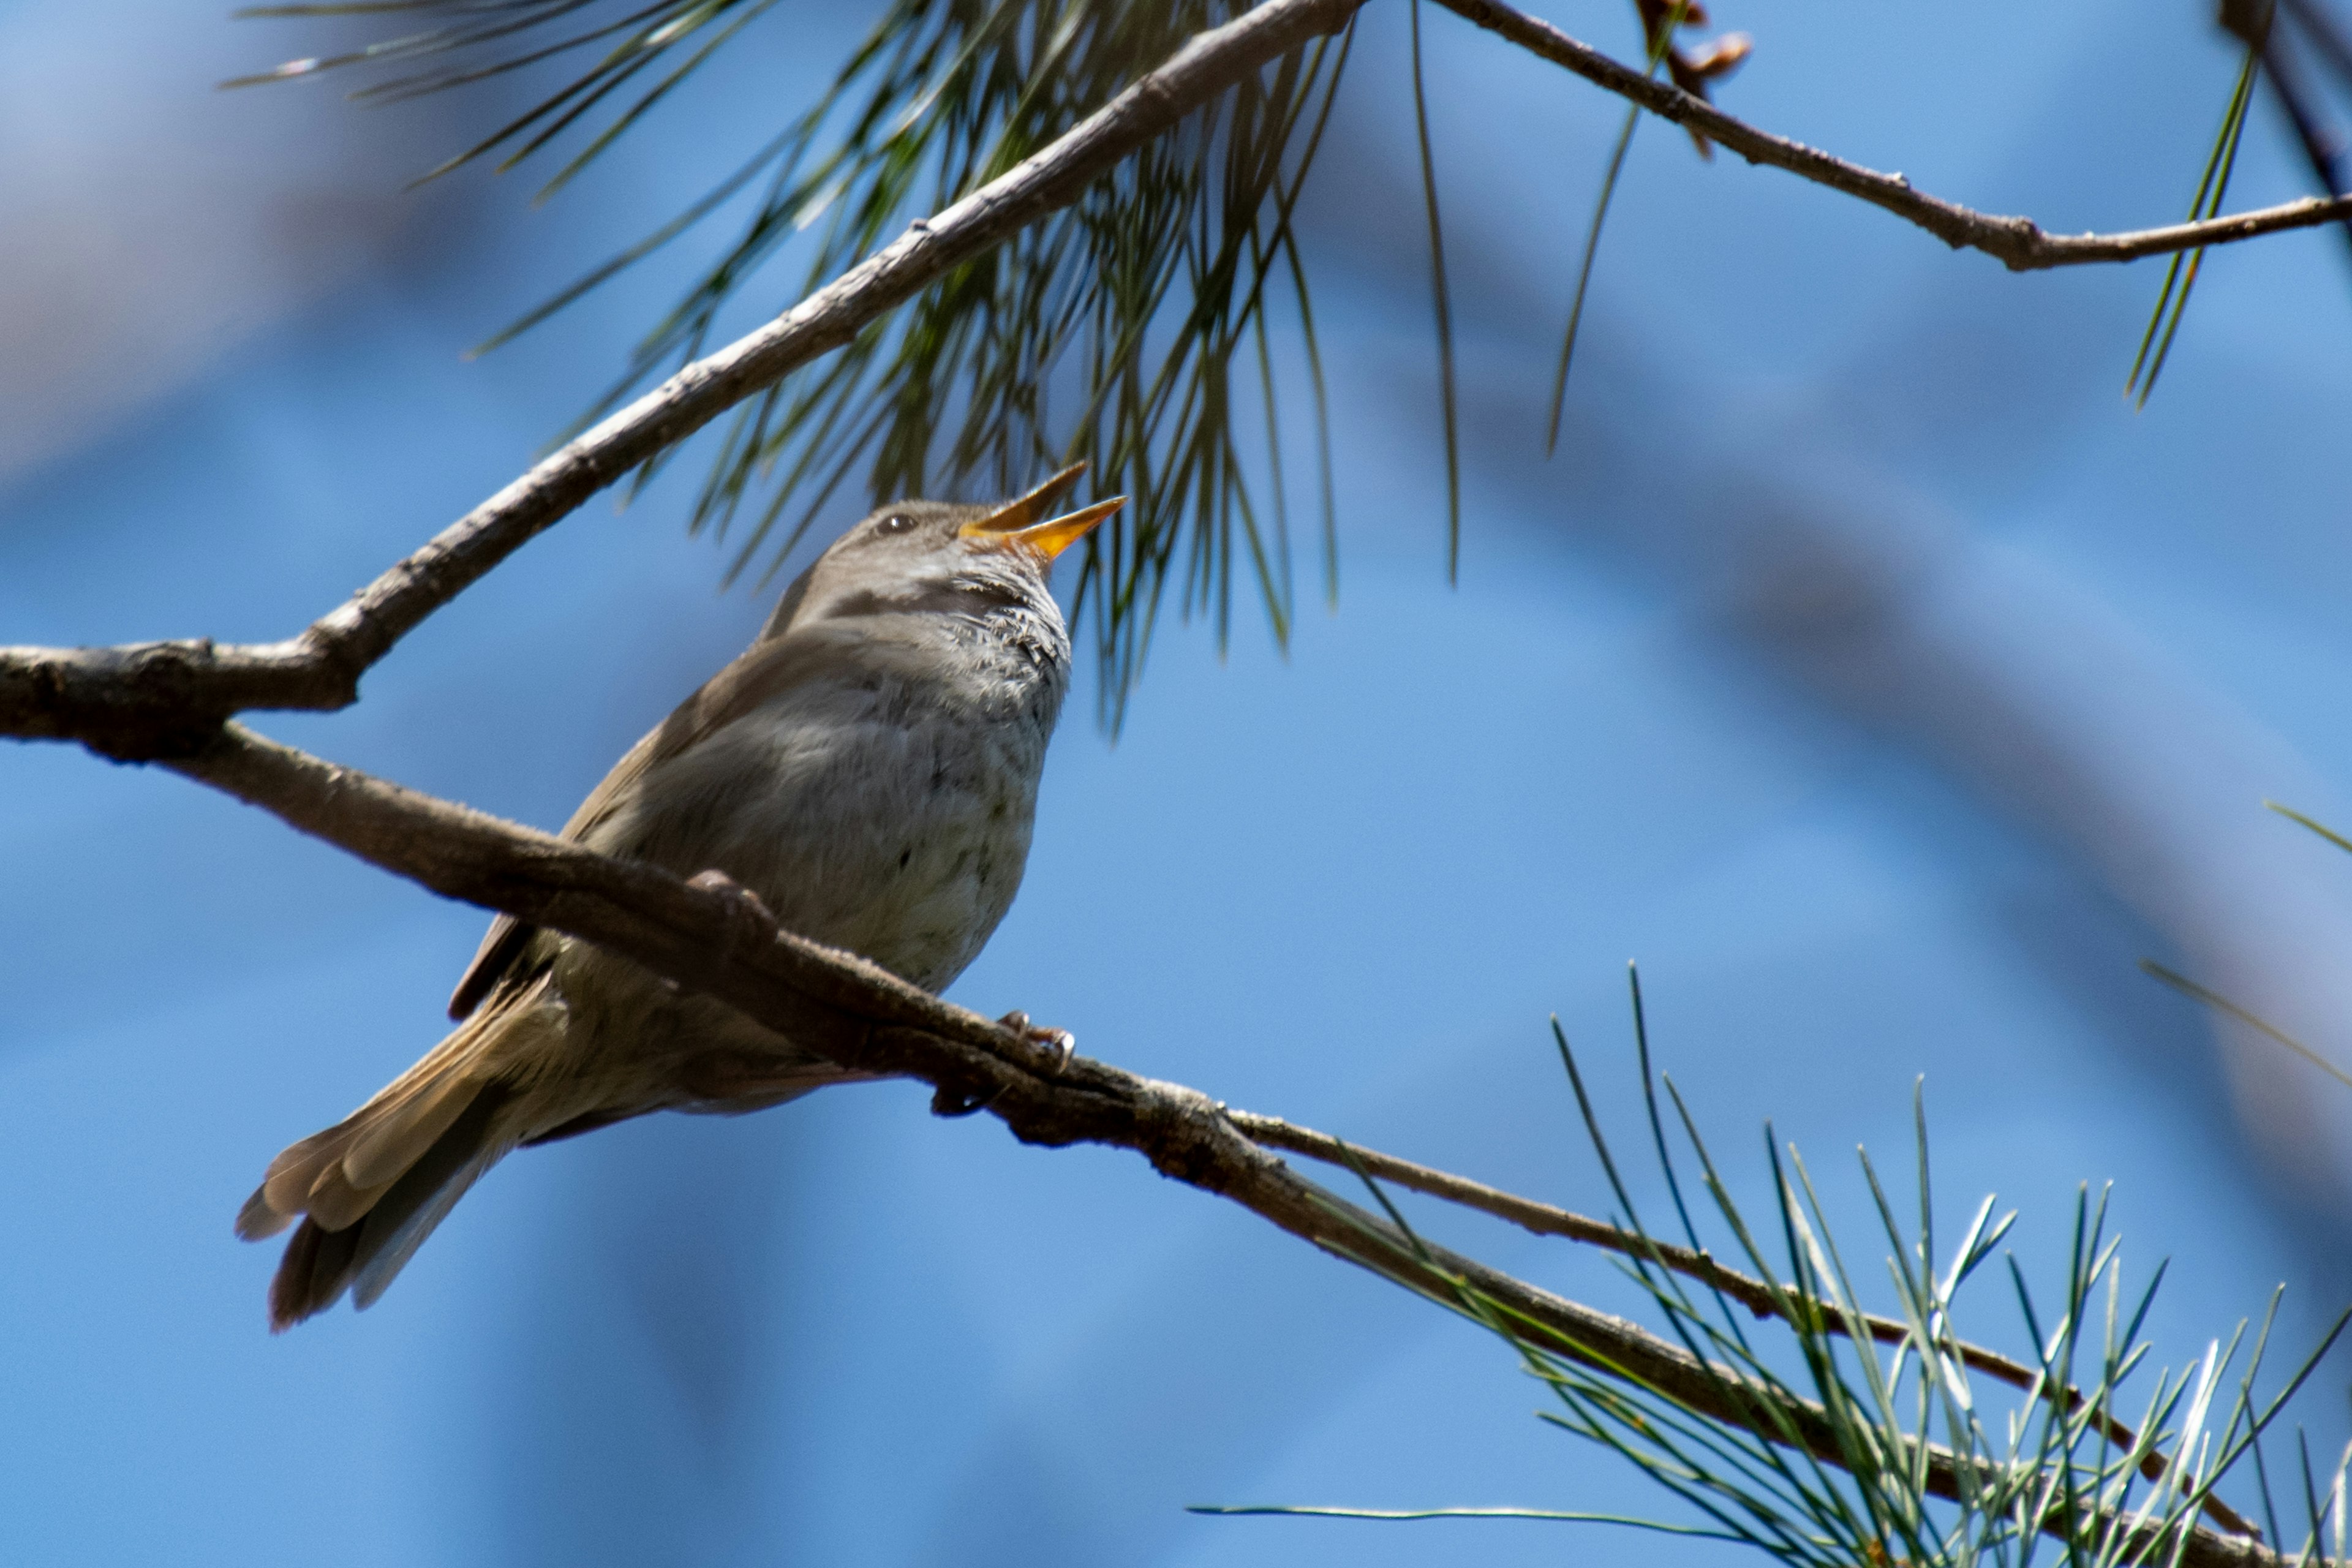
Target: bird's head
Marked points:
917	556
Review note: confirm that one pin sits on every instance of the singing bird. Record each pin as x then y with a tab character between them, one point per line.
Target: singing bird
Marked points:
868	770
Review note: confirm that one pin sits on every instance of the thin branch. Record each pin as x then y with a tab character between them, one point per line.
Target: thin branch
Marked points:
2020	243
1756	1295
157	699
863	1018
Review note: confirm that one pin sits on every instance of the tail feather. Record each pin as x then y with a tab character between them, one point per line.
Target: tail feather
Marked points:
398	1227
311	1274
387	1134
320	1263
371	1188
381	1155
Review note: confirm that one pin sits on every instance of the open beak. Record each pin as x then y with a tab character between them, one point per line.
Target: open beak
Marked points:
1033	508
1048	538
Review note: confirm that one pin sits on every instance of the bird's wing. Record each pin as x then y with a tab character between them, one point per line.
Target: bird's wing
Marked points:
764	669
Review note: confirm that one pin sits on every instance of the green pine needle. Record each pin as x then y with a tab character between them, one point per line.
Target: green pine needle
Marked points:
2180	272
2223	1005
1232	1510
1443	303
1658	47
1108	331
1847	1451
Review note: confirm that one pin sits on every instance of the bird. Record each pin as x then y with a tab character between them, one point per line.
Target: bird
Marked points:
868	771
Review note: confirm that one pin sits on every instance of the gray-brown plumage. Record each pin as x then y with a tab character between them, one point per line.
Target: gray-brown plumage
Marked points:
867	769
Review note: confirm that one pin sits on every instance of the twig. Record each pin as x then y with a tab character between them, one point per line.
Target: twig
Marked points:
153	700
1544	1219
2019	243
157	699
861	1017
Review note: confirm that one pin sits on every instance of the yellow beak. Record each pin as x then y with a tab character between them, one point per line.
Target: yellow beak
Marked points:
1049	538
1030	508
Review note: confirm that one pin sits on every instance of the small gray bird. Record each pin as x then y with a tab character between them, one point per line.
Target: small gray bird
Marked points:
868	770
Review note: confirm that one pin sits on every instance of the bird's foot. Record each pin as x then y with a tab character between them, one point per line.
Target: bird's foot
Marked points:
1061	1042
749	923
1063	1045
954	1102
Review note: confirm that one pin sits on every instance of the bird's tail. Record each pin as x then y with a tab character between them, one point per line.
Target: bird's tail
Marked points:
369	1189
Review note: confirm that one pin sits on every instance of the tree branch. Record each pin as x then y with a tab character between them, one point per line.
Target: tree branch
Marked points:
157	699
1764	1300
866	1019
153	700
170	701
2018	243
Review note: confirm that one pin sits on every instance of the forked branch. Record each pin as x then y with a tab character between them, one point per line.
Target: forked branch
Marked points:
2018	243
157	699
866	1019
1763	1299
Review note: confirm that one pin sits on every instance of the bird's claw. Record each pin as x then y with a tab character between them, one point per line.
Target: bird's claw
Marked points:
1063	1044
949	1101
749	923
954	1102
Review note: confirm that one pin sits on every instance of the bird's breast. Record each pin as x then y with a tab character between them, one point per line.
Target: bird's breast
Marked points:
889	817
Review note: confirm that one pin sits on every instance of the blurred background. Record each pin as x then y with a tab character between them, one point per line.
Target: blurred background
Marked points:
1862	663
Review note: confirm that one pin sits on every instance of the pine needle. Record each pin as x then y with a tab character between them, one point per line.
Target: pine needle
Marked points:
2220	1003
2180	272
1659	46
1442	301
1108	331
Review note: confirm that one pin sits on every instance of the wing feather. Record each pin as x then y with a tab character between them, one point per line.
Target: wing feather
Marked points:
768	667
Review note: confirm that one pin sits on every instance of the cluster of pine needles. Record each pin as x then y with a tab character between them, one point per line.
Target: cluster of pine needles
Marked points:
1831	1437
1131	329
1134	330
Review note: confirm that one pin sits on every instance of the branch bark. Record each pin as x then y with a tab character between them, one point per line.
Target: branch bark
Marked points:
2018	243
867	1020
153	700
157	699
1765	1300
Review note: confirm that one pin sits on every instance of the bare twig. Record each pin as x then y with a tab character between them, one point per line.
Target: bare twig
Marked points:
156	699
2019	243
861	1017
1763	1299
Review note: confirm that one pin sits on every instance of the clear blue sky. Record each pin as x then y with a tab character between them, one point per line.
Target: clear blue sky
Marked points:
1862	665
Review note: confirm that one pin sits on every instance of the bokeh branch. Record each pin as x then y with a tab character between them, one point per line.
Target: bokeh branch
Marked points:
2018	243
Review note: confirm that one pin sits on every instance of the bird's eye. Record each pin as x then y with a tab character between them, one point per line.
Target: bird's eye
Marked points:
895	523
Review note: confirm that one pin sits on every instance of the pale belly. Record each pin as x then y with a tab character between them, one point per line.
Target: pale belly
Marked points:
902	842
886	814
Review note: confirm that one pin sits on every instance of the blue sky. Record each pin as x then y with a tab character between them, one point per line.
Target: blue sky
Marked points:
1862	666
